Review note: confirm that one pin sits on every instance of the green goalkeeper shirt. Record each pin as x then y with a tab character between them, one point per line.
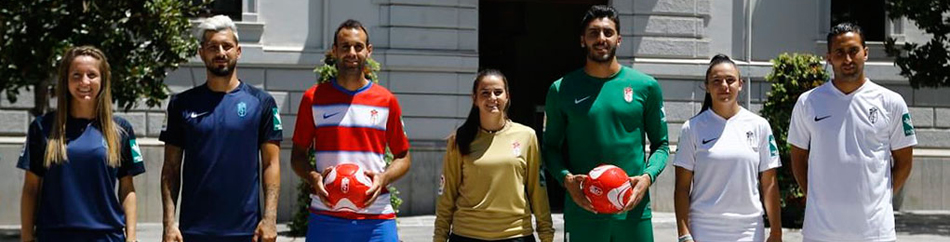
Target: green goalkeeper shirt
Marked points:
593	121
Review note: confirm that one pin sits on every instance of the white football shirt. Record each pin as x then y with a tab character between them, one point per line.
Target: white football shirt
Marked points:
850	139
726	157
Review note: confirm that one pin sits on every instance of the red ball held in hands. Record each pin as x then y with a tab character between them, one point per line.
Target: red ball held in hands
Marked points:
608	189
346	187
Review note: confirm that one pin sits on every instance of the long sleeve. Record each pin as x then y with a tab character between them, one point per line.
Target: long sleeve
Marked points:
538	194
448	191
654	118
554	133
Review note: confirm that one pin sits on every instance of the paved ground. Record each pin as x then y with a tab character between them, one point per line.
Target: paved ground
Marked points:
922	226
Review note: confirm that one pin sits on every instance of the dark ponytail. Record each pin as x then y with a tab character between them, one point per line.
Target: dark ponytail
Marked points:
707	103
465	134
716	60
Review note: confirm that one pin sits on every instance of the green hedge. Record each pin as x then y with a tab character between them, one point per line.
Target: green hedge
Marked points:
792	74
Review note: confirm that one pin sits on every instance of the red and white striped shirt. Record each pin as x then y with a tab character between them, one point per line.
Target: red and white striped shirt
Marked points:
351	127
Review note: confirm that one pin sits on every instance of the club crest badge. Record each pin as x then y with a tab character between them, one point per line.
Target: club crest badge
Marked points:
373	116
242	109
628	94
872	114
516	148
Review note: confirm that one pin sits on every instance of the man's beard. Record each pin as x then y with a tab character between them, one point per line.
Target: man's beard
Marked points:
222	71
611	53
343	69
854	76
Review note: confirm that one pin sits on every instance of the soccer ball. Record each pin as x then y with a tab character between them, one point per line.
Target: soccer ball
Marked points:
346	187
607	187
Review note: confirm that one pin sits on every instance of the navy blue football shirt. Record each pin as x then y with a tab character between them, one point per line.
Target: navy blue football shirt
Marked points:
80	193
221	134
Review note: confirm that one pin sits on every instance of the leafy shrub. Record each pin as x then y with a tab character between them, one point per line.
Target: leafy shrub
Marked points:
791	75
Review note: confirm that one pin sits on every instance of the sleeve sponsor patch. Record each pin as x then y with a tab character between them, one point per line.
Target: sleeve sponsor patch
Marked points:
165	121
773	149
136	152
441	183
277	125
908	125
662	114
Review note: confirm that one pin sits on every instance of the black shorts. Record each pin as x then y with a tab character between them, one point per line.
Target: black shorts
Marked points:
459	238
44	235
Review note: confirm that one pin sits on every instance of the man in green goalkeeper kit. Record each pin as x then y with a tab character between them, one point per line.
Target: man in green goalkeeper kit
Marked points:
601	114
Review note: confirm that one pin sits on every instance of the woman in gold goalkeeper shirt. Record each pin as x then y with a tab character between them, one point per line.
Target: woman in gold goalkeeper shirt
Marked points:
490	182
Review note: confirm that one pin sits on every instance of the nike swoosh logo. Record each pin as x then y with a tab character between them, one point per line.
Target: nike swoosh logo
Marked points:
195	115
326	116
709	140
819	119
576	101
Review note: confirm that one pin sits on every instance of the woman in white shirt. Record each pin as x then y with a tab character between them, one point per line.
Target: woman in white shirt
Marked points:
725	154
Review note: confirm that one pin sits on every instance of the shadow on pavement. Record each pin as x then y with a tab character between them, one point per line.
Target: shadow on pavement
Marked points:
9	235
932	224
287	234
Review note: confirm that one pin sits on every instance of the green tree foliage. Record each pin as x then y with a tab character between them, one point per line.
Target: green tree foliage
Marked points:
143	40
926	65
791	76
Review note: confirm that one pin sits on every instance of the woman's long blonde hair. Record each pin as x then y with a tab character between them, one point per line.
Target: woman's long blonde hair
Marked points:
56	147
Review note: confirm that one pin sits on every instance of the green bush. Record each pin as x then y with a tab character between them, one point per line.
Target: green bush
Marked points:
791	76
298	225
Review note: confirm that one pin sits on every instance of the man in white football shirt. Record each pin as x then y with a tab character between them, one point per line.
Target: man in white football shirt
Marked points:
852	147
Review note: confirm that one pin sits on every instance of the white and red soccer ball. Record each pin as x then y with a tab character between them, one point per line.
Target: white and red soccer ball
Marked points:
608	189
346	186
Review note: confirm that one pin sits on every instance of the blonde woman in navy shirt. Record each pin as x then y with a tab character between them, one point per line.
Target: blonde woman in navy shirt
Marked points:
76	156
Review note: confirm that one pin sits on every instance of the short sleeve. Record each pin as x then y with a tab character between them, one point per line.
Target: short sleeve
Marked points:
132	161
685	149
798	133
34	150
172	127
768	150
902	128
395	129
271	128
304	126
